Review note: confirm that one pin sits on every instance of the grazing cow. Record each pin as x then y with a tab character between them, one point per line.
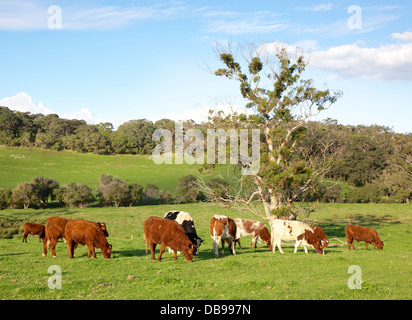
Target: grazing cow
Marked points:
167	233
86	233
186	221
254	229
358	233
55	227
296	231
321	234
34	228
223	229
54	231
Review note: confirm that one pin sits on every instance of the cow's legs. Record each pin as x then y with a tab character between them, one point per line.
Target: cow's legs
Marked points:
278	241
297	243
232	247
254	242
162	249
70	249
44	246
91	250
366	242
53	243
152	249
272	240
216	242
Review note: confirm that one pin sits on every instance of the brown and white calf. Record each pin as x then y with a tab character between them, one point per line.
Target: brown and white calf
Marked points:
358	233
167	233
34	228
223	229
254	229
300	232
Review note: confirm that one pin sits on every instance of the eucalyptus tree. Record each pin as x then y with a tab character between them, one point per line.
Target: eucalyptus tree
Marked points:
282	103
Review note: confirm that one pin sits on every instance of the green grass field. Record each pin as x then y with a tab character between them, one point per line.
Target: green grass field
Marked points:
23	164
131	274
251	274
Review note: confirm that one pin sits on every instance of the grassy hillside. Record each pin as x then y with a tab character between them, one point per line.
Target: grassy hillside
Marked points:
23	164
251	274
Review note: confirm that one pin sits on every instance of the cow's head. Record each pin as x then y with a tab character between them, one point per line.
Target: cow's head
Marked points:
313	240
188	251
198	243
379	244
107	251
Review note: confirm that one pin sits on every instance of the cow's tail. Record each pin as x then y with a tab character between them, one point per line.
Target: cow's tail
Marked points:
47	237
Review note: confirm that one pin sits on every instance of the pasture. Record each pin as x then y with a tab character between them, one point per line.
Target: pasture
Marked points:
251	274
131	274
23	164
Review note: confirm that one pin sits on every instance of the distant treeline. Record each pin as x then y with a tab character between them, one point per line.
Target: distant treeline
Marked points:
375	163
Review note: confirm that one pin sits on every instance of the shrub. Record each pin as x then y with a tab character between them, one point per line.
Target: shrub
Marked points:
187	189
113	190
24	194
151	193
75	195
5	198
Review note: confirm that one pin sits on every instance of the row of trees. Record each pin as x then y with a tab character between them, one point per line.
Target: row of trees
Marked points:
51	132
373	159
111	191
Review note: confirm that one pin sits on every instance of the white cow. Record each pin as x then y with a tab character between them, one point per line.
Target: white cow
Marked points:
300	232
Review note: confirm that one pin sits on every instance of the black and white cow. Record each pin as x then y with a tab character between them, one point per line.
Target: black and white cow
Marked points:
186	221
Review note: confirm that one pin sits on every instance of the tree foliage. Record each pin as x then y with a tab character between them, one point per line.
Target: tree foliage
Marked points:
282	103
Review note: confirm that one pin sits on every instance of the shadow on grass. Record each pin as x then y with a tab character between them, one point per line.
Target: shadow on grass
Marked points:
129	253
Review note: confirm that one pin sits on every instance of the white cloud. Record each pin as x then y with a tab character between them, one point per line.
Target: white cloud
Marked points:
406	36
385	63
23	102
84	114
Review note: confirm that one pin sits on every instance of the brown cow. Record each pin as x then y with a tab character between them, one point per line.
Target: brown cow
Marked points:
366	234
253	228
54	231
167	233
55	227
34	228
223	229
86	233
321	234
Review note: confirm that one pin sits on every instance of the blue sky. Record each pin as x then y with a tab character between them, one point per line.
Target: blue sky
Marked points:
120	60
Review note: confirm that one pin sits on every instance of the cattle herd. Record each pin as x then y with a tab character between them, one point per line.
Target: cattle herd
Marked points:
177	231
